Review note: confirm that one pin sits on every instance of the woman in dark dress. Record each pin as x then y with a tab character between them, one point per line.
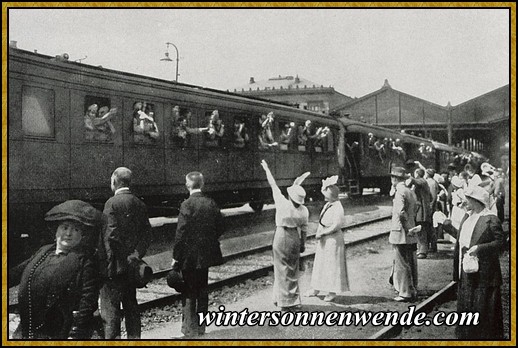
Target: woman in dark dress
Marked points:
59	284
480	234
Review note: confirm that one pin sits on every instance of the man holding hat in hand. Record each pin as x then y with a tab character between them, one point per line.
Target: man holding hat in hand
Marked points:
196	248
402	238
124	241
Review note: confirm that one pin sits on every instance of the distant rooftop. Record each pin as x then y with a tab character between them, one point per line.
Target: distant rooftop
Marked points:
277	83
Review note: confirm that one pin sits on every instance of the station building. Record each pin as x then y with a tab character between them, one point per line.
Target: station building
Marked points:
296	91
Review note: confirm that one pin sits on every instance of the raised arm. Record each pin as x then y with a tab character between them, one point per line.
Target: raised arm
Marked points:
269	176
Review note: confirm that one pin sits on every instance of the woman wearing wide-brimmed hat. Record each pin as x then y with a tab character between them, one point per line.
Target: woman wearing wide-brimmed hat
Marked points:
59	285
480	234
291	220
330	269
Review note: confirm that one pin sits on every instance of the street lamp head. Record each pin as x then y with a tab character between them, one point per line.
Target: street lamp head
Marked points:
166	58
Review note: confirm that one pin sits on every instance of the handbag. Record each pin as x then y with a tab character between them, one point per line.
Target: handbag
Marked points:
470	264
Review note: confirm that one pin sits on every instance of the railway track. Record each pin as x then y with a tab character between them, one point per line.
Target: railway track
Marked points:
247	264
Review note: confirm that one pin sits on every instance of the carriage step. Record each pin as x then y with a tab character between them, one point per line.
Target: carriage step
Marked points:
354	187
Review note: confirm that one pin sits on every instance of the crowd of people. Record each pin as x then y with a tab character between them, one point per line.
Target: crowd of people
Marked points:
97	257
462	205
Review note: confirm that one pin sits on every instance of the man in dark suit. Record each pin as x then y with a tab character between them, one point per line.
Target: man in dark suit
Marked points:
124	241
424	210
196	249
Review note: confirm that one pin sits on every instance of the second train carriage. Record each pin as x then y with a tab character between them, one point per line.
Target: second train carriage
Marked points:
163	130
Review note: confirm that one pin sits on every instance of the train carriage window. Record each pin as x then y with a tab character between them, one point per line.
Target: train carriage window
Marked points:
240	136
288	134
303	133
320	134
38	112
214	130
145	129
181	129
266	129
97	119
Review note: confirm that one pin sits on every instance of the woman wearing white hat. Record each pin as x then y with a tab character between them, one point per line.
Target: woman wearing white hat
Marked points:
329	269
291	219
480	235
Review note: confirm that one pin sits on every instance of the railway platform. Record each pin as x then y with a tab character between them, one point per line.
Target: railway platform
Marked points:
368	272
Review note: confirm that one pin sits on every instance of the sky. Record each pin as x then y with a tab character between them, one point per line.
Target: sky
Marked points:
440	55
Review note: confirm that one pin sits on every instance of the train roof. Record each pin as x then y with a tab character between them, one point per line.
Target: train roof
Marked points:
361	127
42	58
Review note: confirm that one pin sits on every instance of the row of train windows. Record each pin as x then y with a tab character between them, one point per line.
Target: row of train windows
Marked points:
38	120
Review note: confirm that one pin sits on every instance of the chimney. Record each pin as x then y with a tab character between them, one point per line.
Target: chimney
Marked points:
252	80
13	43
297	80
386	84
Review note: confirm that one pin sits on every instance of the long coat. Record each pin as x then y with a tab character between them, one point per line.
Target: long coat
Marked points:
50	292
200	224
127	229
480	292
403	216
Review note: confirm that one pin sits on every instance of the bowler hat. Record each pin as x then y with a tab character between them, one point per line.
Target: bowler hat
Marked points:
75	210
479	194
140	273
398	172
175	280
297	194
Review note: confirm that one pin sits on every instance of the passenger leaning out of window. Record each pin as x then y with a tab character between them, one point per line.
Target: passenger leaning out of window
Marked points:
287	133
266	134
97	122
144	125
241	137
215	130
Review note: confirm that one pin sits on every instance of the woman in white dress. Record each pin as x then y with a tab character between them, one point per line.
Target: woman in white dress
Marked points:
291	220
330	269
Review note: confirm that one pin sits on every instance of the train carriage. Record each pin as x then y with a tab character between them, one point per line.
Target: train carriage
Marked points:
54	157
61	145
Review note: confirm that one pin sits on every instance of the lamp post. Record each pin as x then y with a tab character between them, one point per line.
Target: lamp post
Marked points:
167	59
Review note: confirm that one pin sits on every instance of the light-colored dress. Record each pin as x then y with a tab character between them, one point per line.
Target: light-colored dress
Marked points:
290	221
330	268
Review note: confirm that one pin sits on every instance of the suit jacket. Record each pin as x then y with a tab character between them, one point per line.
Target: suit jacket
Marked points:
489	237
126	229
48	294
403	216
200	224
424	200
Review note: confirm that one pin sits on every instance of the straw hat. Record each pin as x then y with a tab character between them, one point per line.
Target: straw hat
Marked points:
457	182
479	194
487	169
297	194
